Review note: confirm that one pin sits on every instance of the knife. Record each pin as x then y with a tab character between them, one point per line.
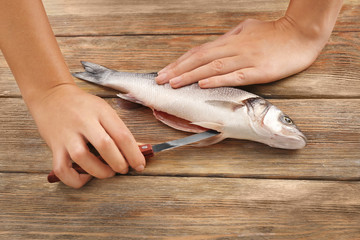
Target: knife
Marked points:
147	150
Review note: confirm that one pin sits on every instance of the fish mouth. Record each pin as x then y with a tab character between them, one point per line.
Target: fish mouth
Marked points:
299	141
304	138
293	142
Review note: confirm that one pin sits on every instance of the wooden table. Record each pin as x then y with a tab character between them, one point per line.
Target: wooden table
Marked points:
233	190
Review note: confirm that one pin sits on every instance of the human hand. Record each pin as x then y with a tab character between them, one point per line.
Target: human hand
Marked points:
253	52
68	118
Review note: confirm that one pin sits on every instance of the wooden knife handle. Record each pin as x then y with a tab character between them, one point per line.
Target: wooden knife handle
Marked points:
146	150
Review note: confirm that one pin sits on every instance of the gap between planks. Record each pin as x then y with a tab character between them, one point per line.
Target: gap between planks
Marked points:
279	97
273	97
215	176
167	34
146	34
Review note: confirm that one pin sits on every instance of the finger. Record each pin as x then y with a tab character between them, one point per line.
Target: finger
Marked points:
162	74
124	140
220	41
180	59
186	55
63	170
241	77
198	59
166	73
80	154
214	68
107	148
216	43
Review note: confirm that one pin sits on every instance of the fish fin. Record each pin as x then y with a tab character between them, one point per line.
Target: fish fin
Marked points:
210	125
227	104
177	123
93	72
209	141
129	97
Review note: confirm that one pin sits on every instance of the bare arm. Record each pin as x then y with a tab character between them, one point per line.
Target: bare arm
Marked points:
30	49
66	116
256	51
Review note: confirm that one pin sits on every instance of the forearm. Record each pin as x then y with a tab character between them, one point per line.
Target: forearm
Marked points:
30	48
314	18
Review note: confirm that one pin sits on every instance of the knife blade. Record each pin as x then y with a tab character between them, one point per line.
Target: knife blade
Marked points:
147	150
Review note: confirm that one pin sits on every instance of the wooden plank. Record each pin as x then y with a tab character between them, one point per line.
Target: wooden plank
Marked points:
335	74
333	151
178	208
184	194
112	17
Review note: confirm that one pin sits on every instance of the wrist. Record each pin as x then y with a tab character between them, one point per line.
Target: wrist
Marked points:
314	20
36	97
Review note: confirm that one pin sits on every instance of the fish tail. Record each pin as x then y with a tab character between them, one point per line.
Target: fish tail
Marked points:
93	72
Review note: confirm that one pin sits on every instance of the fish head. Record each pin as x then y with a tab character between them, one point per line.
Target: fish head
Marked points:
272	127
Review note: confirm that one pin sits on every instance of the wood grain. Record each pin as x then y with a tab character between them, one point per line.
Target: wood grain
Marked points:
333	151
111	17
233	190
135	207
335	74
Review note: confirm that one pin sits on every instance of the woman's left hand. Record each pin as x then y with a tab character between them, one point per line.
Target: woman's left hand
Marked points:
253	52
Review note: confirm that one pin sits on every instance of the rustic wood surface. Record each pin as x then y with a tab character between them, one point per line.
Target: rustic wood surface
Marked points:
334	74
332	126
232	190
140	207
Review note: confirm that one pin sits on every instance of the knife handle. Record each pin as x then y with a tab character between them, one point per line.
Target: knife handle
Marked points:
146	150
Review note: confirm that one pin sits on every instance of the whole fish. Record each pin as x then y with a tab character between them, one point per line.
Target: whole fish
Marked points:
232	112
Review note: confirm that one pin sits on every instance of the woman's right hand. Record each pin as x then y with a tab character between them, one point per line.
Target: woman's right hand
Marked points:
68	118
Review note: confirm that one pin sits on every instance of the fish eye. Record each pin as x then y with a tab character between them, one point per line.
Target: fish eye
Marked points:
287	120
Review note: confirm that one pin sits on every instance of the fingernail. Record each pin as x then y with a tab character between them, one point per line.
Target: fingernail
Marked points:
175	81
204	83
140	168
124	171
161	78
